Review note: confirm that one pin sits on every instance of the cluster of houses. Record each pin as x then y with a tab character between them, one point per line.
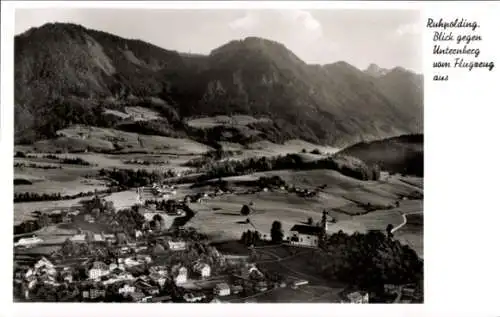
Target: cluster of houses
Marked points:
155	191
101	276
42	272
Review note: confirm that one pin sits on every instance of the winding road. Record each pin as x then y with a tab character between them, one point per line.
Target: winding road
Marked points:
401	225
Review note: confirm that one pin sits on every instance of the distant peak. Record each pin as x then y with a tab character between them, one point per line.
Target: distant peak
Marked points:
341	65
375	70
373	66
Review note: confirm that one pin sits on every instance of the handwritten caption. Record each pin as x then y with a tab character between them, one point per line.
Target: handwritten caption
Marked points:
456	44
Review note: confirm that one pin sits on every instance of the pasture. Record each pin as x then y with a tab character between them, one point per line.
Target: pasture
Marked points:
81	138
220	217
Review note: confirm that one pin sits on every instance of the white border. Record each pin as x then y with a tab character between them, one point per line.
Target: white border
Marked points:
461	268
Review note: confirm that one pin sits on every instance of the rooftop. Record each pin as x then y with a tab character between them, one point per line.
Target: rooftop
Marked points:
309	230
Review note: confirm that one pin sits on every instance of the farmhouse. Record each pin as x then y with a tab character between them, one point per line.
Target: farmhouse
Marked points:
303	235
98	237
78	238
222	289
67	219
99	269
177	246
45	266
96	293
202	269
126	289
192	298
356	298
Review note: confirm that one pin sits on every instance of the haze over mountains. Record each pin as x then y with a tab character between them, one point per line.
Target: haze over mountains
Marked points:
66	74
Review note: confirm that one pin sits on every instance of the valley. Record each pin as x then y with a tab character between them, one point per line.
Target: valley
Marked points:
137	167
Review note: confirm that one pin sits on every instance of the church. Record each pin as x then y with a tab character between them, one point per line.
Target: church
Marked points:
308	236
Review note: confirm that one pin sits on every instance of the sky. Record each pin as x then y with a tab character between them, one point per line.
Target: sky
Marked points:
388	38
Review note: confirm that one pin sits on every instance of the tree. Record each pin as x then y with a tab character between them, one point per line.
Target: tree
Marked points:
68	248
389	229
276	232
310	221
159	222
245	210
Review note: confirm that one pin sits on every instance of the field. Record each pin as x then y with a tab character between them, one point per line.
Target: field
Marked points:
412	233
80	138
344	197
221	219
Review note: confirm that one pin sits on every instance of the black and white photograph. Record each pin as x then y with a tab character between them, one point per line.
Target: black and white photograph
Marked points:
218	155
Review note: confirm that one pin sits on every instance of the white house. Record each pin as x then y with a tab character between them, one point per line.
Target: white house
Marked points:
144	258
303	235
203	269
356	298
126	289
159	269
109	236
192	298
181	276
98	237
98	270
129	262
28	241
222	289
158	278
177	246
43	263
138	234
78	238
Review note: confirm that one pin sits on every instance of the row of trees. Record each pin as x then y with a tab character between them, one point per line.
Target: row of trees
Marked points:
346	165
30	197
136	178
249	237
34	165
169	205
211	157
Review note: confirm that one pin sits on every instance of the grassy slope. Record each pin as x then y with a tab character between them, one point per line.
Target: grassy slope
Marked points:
225	223
403	154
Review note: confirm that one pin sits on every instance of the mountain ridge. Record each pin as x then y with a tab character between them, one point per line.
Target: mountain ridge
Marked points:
331	104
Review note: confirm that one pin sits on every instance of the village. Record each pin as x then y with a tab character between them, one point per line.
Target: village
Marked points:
132	255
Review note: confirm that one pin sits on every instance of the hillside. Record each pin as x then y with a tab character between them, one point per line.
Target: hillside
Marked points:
66	74
403	154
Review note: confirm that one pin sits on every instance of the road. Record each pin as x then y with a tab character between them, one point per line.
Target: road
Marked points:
401	225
